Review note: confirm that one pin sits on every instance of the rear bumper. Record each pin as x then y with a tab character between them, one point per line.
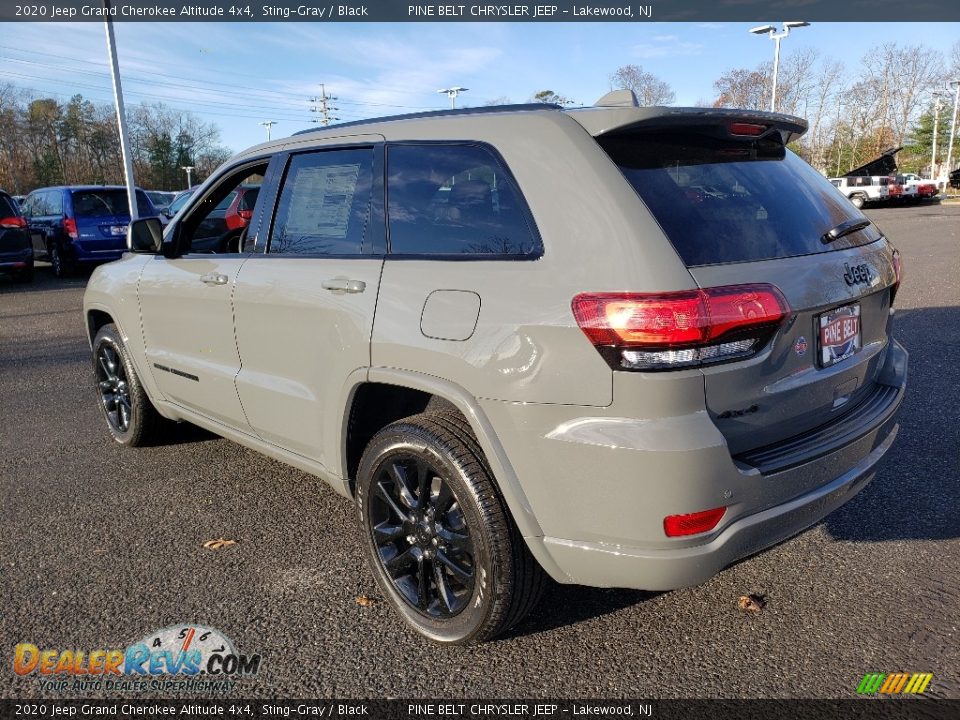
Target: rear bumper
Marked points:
82	254
13	260
601	486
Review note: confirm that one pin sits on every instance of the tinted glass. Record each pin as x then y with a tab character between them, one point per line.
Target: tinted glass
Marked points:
324	204
454	200
101	203
8	208
181	200
731	201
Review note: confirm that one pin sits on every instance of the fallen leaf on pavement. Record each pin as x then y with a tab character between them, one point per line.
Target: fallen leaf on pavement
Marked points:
219	544
364	601
751	603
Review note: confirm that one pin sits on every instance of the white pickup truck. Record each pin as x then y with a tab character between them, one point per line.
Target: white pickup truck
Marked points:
915	188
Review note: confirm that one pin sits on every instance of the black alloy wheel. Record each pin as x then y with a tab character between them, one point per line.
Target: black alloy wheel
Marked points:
422	538
131	418
438	535
113	387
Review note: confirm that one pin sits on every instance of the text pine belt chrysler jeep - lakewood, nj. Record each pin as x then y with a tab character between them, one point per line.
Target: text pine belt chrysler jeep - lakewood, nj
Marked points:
617	346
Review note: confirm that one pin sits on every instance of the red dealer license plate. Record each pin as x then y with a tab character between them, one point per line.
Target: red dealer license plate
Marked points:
839	335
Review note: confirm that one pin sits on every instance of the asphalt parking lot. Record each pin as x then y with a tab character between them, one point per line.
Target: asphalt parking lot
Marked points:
101	545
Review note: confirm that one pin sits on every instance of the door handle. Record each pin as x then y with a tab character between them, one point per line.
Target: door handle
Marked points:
214	279
344	285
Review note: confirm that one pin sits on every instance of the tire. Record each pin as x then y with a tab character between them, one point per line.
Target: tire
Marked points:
437	534
24	276
131	418
858	201
62	265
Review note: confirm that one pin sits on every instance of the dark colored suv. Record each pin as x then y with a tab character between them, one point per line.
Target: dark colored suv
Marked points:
16	255
80	224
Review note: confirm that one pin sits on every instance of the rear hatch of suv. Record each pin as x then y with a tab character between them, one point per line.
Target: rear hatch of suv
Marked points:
747	216
102	216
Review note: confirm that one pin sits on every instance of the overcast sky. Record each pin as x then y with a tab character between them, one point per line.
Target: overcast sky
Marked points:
237	74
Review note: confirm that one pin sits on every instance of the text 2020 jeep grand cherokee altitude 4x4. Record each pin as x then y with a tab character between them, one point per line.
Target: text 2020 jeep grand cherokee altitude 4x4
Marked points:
618	346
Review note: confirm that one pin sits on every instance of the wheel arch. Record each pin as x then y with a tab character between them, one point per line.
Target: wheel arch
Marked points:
420	392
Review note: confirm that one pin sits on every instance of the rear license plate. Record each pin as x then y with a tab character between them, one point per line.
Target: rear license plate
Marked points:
839	334
118	230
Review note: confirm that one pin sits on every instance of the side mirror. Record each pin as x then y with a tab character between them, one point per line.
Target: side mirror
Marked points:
145	235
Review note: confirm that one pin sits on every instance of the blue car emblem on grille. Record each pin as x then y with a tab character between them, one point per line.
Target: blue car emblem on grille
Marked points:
800	346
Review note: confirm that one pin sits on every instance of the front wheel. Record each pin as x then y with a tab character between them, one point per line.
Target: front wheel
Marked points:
131	418
858	201
438	535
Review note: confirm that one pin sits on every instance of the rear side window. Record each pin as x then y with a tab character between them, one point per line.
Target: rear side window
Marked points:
102	203
721	201
324	204
454	200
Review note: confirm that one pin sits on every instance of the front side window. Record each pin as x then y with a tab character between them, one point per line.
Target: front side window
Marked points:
324	204
215	225
454	200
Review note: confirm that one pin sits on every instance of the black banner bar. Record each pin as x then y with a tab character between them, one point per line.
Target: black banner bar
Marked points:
490	11
865	709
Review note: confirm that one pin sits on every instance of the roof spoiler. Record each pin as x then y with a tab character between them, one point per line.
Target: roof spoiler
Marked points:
618	98
732	123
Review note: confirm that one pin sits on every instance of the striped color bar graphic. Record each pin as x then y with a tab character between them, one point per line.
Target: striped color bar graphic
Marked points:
894	683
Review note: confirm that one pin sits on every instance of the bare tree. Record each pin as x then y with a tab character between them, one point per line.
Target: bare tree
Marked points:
649	89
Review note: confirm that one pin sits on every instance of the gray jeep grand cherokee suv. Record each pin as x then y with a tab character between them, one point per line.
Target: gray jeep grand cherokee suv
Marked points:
616	346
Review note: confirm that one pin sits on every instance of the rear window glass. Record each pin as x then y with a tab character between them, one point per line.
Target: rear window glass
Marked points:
101	203
8	207
724	202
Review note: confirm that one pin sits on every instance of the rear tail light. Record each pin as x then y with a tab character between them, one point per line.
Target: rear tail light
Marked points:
663	331
70	227
13	222
245	214
898	275
694	523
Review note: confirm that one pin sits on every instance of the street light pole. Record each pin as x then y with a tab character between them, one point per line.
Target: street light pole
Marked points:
953	127
452	94
121	114
937	106
772	33
189	170
268	124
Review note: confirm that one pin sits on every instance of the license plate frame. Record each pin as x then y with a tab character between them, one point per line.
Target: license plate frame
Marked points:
839	334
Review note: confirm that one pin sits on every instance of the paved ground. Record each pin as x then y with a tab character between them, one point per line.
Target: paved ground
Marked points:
101	545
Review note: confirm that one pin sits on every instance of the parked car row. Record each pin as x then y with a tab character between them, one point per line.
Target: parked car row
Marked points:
863	189
76	225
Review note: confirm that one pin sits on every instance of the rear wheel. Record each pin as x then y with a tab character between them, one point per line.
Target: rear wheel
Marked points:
131	418
437	533
61	264
24	276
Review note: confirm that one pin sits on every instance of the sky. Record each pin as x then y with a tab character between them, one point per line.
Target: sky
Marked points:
237	75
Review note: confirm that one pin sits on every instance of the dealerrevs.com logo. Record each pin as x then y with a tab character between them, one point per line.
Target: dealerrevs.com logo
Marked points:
189	658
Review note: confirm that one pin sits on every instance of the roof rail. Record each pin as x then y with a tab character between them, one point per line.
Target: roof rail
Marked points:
437	113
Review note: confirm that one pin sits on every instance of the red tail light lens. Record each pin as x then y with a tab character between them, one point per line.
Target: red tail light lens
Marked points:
694	523
13	222
245	214
643	331
751	129
70	227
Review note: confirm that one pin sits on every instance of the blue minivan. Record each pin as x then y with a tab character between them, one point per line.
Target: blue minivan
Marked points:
80	224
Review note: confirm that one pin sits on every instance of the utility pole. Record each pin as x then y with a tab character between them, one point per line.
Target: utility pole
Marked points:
452	94
268	124
839	136
321	104
189	169
121	114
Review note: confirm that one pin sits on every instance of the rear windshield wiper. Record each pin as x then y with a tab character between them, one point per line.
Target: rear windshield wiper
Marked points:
844	228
